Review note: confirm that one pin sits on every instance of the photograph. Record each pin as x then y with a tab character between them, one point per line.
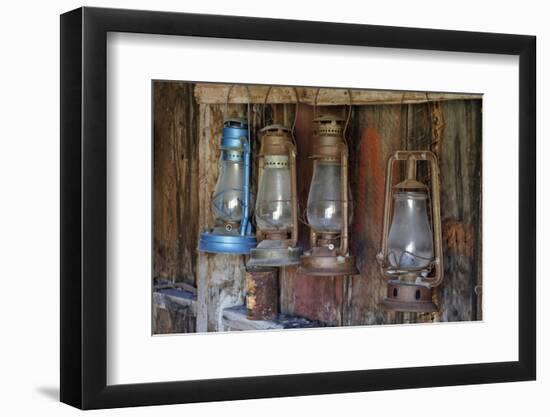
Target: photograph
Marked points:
279	207
245	208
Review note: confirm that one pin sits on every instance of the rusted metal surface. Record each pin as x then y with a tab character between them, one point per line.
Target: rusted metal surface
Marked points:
302	295
323	262
262	293
408	297
435	271
330	257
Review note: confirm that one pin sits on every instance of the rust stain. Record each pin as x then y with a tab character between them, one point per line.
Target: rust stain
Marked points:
370	190
459	237
316	299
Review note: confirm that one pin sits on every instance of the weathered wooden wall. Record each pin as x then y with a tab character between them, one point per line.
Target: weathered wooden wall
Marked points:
376	132
460	159
173	312
183	188
175	172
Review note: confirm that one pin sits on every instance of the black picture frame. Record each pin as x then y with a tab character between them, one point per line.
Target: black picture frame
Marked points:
84	207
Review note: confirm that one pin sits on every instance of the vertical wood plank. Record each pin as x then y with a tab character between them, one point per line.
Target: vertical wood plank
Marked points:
220	278
175	182
376	135
460	160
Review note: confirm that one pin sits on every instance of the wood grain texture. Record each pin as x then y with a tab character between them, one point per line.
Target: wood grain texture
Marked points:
377	132
460	160
220	278
173	314
374	133
175	182
206	93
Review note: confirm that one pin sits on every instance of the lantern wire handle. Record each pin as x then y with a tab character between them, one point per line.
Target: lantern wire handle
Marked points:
295	112
315	103
347	118
227	100
401	122
295	117
265	103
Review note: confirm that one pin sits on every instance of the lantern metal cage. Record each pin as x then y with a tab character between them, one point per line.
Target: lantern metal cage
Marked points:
411	254
329	202
276	210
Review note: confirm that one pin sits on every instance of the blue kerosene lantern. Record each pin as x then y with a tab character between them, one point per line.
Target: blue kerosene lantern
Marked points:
232	233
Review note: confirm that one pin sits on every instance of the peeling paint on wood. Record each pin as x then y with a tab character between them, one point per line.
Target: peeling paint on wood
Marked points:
376	135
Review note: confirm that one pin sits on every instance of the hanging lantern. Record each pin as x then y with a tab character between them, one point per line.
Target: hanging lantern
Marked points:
276	210
232	231
329	202
411	258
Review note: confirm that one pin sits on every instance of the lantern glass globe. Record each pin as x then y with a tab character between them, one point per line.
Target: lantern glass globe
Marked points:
410	239
324	204
273	203
228	193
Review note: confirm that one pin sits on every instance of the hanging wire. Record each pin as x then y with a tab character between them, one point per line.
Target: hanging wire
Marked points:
227	100
315	103
264	105
292	129
347	118
401	121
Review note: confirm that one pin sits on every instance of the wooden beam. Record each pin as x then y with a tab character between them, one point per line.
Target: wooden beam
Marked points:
206	93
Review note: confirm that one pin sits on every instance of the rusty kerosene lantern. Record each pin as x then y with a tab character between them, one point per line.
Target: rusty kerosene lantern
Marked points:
329	202
232	233
276	212
411	256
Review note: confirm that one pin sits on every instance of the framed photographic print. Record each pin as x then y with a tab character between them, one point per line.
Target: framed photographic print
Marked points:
255	208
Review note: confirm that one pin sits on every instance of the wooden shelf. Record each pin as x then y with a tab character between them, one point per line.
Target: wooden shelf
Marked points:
234	319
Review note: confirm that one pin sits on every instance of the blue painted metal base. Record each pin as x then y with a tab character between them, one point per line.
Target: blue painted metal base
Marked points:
230	244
